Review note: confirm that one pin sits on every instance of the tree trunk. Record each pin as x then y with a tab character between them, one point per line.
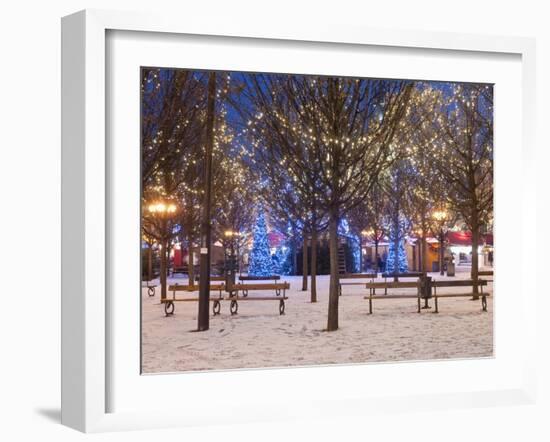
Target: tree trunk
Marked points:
150	262
360	253
332	323
424	252
163	269
295	258
396	253
304	264
396	256
238	258
441	252
190	261
203	322
376	269
475	263
314	266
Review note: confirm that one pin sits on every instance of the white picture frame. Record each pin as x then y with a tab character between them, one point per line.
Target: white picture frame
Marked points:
85	310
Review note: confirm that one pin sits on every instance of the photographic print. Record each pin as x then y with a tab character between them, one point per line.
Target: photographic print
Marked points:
300	220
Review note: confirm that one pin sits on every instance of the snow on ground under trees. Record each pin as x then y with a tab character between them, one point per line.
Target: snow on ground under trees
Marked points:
259	337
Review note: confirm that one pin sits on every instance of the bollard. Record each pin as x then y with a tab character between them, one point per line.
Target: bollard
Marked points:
426	288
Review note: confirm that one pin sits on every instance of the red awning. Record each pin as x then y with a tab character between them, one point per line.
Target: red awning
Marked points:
465	238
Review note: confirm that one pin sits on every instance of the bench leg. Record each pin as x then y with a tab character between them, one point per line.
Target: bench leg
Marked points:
419	305
216	307
484	303
234	307
281	307
169	308
339	289
370	306
277	292
436	305
151	291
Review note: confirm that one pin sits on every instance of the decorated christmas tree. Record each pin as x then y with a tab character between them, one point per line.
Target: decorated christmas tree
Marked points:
281	261
396	237
260	262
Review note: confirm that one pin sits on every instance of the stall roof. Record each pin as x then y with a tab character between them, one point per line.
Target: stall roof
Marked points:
464	238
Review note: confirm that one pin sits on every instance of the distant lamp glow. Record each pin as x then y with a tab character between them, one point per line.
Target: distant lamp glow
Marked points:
368	232
440	215
162	209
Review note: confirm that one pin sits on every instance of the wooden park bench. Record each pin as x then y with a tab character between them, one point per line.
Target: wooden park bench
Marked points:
234	296
486	273
372	286
169	302
273	278
370	276
461	283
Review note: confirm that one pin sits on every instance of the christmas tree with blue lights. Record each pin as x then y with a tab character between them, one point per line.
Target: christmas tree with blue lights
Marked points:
396	237
281	261
260	262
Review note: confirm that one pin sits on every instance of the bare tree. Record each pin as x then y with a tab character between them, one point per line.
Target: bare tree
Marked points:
462	134
334	135
235	196
289	205
172	119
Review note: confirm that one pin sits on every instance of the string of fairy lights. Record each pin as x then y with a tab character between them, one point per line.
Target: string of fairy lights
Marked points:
329	141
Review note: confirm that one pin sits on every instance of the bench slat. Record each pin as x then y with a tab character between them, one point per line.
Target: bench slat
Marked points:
259	278
463	283
392	297
256	298
193	288
402	275
391	285
252	287
459	295
164	301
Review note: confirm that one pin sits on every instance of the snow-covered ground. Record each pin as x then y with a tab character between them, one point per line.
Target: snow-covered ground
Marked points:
259	337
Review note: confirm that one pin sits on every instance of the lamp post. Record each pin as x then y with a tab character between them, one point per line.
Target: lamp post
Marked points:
163	211
441	217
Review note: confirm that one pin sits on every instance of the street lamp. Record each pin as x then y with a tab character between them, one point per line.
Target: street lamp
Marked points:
441	217
163	211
